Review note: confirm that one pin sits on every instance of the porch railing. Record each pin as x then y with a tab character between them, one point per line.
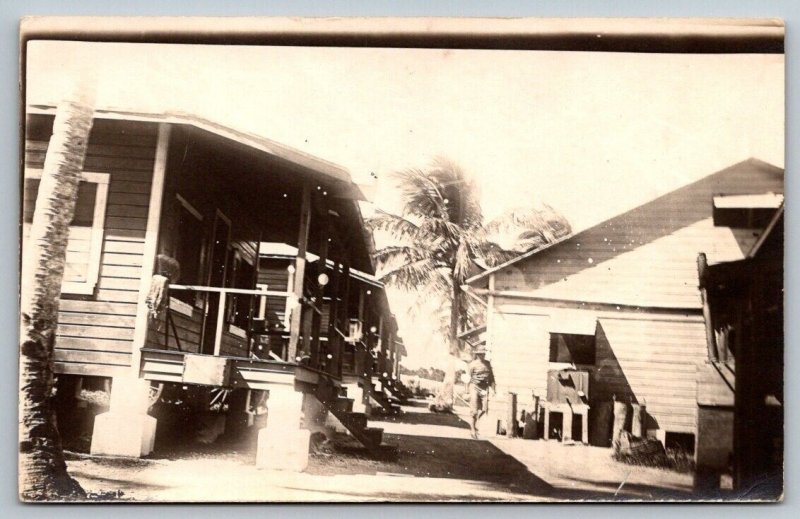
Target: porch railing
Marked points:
214	318
222	307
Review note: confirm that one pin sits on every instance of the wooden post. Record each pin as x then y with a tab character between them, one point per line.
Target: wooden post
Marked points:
389	366
300	270
319	296
620	416
381	347
511	420
220	323
289	304
307	313
546	432
150	244
396	360
490	304
253	300
334	340
636	421
702	273
566	423
345	311
585	427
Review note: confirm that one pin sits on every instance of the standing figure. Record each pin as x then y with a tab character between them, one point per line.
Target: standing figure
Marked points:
481	379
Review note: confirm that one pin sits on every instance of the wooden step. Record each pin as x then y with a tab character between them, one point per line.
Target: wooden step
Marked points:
374	436
344	405
355	420
388	451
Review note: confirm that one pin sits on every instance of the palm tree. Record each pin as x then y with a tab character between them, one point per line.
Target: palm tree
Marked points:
43	471
440	240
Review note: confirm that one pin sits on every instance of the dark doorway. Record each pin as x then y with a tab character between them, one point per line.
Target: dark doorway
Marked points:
556	426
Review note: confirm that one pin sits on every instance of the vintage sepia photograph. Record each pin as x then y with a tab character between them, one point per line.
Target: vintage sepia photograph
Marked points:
401	260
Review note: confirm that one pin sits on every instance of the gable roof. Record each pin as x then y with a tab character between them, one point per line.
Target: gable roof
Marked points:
645	256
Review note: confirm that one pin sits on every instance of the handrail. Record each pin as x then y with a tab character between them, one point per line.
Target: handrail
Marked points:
222	290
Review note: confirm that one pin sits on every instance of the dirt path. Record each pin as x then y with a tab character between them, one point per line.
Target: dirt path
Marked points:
437	461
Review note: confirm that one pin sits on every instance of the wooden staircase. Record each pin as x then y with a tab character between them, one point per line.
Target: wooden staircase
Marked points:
396	388
389	405
356	423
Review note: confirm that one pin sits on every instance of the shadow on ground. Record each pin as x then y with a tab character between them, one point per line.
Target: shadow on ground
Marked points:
435	457
424	418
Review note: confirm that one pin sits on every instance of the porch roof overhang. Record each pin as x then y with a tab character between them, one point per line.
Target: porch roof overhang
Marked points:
301	162
277	250
401	348
719	276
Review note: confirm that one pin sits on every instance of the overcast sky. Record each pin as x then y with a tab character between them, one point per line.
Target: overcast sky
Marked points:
591	134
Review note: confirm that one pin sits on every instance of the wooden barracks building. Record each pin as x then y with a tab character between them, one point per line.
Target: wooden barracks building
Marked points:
187	203
621	302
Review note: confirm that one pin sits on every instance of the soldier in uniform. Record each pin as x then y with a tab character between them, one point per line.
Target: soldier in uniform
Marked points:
481	380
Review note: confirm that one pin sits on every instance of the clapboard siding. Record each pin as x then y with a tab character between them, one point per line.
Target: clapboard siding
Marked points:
641	357
646	256
95	332
188	330
275	276
629	358
233	346
520	354
273	273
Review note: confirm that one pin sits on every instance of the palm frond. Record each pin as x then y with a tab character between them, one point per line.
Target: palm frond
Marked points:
399	227
412	276
422	195
392	256
523	229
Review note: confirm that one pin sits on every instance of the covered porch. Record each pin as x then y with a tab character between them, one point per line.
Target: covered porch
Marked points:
211	318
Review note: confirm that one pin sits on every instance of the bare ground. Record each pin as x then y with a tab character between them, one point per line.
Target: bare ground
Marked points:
436	461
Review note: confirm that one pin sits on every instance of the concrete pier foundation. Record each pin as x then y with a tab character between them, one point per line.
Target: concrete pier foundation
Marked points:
126	429
283	444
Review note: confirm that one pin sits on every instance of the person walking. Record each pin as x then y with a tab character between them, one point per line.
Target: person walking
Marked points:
481	380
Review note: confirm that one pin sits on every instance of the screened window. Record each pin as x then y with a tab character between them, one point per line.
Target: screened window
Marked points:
573	348
189	250
85	244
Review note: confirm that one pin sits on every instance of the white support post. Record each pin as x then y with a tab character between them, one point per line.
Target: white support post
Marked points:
282	444
300	270
126	429
220	323
150	245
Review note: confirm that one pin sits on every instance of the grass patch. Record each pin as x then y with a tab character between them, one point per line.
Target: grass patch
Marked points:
677	460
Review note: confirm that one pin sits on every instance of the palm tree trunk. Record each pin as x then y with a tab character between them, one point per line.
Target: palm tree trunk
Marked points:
43	471
445	398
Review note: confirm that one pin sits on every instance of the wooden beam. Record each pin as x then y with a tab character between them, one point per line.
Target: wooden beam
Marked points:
585	305
299	272
150	244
